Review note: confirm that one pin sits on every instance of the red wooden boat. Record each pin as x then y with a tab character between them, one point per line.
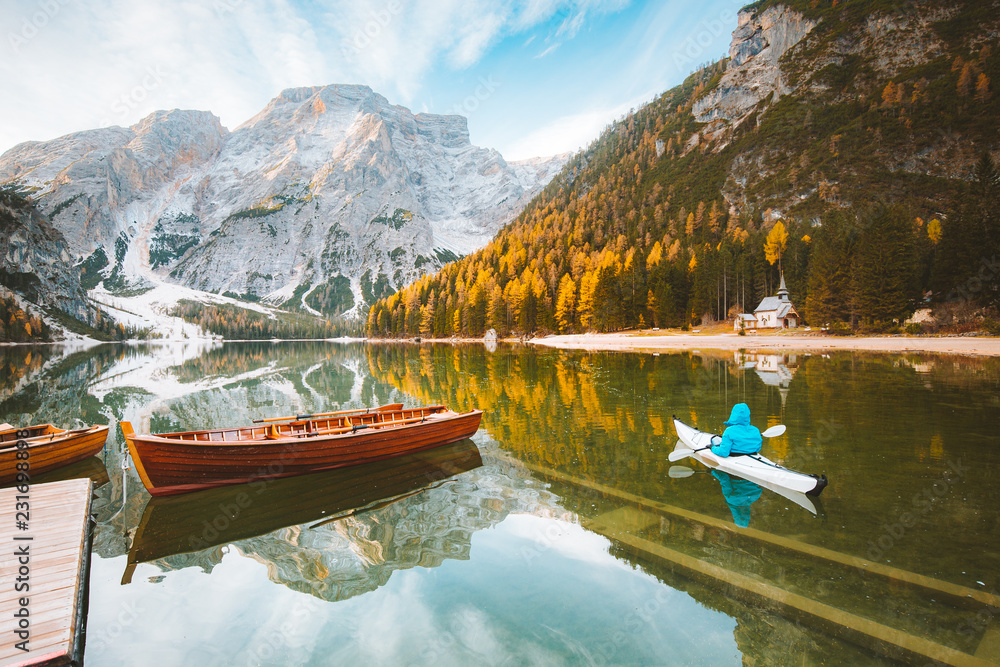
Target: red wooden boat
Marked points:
172	463
48	447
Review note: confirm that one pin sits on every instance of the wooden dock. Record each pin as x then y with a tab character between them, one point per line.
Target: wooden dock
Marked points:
57	542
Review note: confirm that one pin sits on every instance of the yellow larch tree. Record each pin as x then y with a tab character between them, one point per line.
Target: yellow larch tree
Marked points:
565	302
585	304
934	231
777	241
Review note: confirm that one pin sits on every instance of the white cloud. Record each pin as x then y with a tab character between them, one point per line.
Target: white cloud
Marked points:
116	61
548	50
568	133
533	12
478	35
567	539
584	9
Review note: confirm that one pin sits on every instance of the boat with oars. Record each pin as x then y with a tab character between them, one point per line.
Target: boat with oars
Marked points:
172	463
46	447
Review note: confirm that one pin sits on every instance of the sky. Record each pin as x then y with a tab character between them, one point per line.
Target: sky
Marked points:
534	77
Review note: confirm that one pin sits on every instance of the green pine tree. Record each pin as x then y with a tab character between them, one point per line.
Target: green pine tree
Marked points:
829	292
885	278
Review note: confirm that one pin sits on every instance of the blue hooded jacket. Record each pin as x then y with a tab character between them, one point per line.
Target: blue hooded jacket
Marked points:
740	437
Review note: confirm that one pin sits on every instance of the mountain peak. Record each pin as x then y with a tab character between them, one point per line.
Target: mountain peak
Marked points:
184	116
330	92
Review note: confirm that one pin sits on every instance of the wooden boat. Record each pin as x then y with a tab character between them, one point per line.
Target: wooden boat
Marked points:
172	463
48	448
222	515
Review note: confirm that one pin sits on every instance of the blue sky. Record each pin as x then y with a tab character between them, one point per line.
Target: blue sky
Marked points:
534	77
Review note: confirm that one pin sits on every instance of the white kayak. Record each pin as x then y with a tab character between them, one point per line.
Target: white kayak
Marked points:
755	467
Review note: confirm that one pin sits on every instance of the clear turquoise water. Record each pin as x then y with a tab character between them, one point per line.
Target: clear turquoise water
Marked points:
557	536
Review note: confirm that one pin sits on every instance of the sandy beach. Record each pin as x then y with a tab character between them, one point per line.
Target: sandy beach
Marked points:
655	341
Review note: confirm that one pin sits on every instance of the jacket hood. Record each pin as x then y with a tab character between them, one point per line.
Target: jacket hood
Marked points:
740	415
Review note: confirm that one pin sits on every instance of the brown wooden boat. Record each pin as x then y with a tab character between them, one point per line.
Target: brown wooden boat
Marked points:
48	448
172	463
196	521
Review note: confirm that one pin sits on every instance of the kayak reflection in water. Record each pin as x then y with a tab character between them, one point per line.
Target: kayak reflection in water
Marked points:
739	495
741	437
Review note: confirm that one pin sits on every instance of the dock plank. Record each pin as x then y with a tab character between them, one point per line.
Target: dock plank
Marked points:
60	532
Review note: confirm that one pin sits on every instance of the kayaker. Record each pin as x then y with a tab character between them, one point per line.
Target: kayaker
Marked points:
741	437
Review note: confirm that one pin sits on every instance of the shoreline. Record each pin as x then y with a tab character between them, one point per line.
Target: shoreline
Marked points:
634	342
988	346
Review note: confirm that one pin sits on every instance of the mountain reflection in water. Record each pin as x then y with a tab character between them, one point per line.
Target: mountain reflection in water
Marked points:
196	522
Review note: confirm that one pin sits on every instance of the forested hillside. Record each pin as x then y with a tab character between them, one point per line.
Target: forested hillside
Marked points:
863	172
18	326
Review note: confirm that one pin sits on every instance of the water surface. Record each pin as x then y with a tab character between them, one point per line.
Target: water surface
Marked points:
557	535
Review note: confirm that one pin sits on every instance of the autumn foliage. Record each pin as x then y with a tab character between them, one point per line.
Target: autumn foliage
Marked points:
648	227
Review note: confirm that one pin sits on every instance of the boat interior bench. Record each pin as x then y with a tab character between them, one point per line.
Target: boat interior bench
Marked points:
308	428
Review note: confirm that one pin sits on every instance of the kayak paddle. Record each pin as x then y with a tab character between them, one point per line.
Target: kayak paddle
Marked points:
679	454
680	472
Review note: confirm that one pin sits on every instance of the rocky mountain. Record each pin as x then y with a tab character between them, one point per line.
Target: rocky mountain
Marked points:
34	256
894	94
753	72
866	128
327	199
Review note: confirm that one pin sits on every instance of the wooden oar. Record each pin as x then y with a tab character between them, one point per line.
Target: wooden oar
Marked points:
683	452
384	408
354	427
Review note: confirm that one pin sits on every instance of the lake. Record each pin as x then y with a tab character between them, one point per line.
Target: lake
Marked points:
560	533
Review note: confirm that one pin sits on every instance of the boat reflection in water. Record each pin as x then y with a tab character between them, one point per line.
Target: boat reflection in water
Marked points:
92	467
198	521
740	494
